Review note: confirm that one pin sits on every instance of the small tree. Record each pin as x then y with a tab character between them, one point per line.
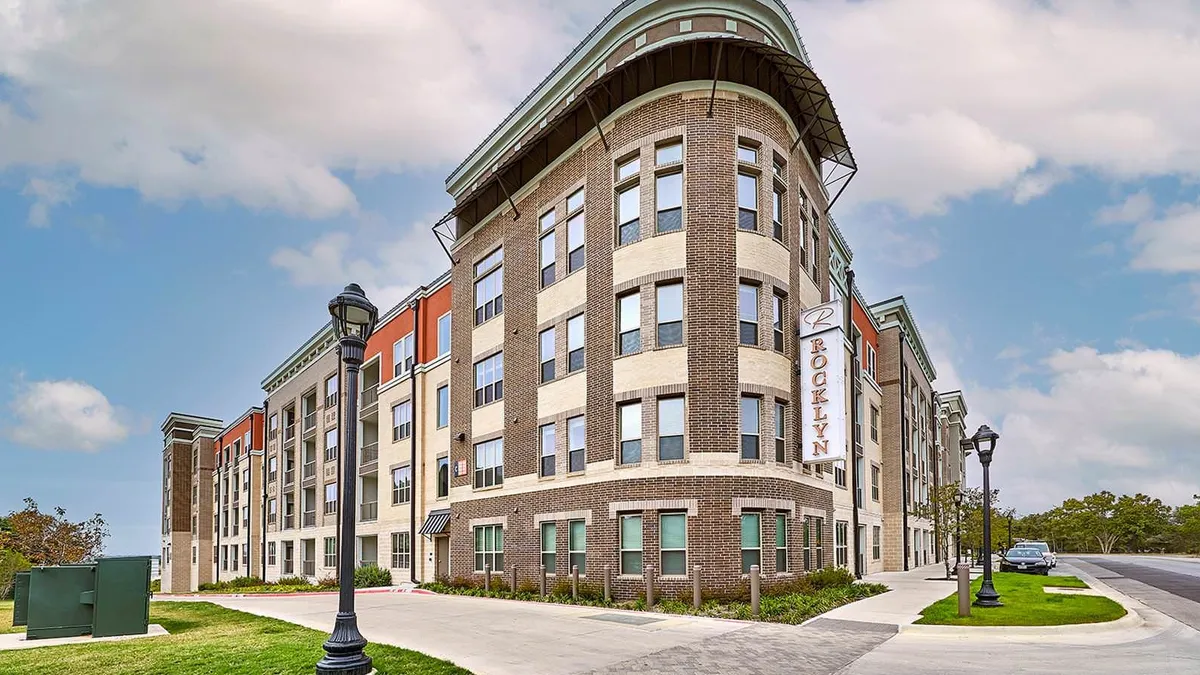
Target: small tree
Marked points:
943	511
11	562
51	539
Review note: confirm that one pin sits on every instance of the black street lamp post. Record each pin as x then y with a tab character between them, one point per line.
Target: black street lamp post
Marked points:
958	502
353	321
1010	530
984	441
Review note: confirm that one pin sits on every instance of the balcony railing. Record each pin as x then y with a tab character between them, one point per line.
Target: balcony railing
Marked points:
310	568
370	396
370	453
310	422
368	511
288	567
289	521
310	519
273	434
310	470
289	433
289	477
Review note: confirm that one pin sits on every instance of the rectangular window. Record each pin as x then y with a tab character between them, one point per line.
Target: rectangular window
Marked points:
750	426
575	201
489	286
778	319
402	356
780	426
748	314
401	550
443	406
575	341
331	445
777	215
747	154
751	541
841	549
331	498
669	306
631	545
875	542
672	529
781	542
331	392
668	195
874	423
401	485
546	439
489	548
489	380
272	470
629	327
576	440
779	169
546	354
671	153
874	482
401	421
549	546
631	433
271	553
628	215
443	477
546	258
272	511
546	222
577	545
443	337
858	482
747	196
871	362
330	551
629	168
839	476
670	428
489	463
575	240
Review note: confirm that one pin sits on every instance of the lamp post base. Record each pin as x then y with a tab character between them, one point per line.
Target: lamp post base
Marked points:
344	649
987	595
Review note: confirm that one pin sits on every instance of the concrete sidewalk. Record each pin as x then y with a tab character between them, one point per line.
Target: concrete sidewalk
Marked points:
911	592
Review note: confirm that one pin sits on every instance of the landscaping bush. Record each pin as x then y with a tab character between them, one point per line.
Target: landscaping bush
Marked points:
528	587
292	581
830	577
11	562
245	582
156	586
214	586
370	576
328	582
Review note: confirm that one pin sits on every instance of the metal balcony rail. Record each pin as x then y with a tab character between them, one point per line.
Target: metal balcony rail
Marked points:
370	396
310	469
310	421
310	518
370	453
289	432
368	511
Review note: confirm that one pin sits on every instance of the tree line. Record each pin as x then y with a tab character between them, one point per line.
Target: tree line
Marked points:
33	537
1106	523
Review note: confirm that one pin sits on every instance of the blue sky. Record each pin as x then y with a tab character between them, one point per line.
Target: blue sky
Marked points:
173	219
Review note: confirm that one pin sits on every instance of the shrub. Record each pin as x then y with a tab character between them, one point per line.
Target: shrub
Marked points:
829	577
328	582
245	582
156	586
370	576
292	581
562	588
528	587
11	562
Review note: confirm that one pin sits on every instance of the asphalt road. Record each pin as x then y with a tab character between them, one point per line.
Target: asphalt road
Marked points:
1169	584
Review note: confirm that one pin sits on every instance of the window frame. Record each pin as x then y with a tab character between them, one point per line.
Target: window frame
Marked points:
682	435
625	548
576	251
553	550
495	447
488	286
572	551
576	328
547	430
666	213
629	228
578	422
403	355
448	333
487	392
744	549
443	483
663	550
747	208
876	536
660	324
780	432
778	320
331	509
546	362
402	430
547	268
443	406
628	445
401	554
402	484
778	204
634	334
493	554
781	550
745	324
746	436
331	451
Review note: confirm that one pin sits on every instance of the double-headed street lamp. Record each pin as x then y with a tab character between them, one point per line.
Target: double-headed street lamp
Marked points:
984	442
353	322
958	502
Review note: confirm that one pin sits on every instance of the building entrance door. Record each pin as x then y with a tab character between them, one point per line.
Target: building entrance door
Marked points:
442	556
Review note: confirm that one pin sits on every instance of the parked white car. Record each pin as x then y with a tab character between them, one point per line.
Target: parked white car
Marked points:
1042	546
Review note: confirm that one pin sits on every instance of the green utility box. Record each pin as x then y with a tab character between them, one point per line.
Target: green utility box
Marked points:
20	598
105	598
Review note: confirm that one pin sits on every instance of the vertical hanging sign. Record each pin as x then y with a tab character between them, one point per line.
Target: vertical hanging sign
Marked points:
822	384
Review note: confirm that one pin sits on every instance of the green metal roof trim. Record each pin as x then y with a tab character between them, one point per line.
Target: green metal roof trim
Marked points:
554	87
909	325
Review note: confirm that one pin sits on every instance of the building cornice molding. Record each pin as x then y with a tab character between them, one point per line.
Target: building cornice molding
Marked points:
908	324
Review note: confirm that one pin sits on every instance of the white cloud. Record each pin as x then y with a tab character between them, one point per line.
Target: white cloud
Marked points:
1032	185
1137	206
1170	243
64	415
944	98
261	101
1011	352
387	267
1122	420
46	194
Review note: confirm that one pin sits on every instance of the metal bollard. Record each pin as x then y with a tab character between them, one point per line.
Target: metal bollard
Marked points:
755	588
574	582
964	588
487	576
608	583
542	588
513	587
649	585
696	587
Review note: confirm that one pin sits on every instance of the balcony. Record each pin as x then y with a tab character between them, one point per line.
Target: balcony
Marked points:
289	521
310	422
310	519
370	453
309	568
289	477
310	470
369	403
368	512
289	433
273	434
288	567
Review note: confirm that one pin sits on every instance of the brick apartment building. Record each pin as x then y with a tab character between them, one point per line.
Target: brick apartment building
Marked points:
237	498
631	250
187	500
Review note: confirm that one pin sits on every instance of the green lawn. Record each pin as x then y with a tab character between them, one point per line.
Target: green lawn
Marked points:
1026	604
208	640
6	607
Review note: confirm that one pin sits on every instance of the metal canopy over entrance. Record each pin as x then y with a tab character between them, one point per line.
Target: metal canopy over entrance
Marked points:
777	73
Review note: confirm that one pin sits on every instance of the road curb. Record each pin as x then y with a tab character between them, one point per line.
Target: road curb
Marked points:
1131	620
226	596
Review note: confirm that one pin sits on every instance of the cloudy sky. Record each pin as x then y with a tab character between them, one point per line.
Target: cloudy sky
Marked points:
184	184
